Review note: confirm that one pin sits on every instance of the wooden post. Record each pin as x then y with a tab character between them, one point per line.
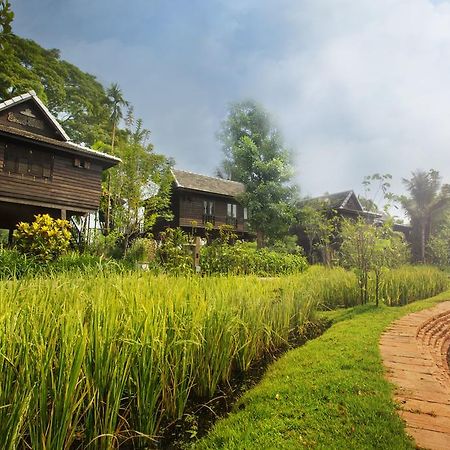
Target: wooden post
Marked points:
197	247
63	214
10	236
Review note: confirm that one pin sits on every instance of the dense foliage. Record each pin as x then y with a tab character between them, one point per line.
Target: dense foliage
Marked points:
255	155
244	259
45	238
428	199
76	98
15	265
367	248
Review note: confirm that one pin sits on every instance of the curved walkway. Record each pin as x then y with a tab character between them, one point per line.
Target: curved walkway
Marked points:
414	351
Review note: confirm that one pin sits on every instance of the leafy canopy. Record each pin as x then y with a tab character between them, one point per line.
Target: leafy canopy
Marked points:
75	97
255	155
427	200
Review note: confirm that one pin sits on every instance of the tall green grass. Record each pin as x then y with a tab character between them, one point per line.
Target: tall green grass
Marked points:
102	359
409	283
99	360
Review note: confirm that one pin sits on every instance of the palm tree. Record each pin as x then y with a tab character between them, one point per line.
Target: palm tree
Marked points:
426	200
116	103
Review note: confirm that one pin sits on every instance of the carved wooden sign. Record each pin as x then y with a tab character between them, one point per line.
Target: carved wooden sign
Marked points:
26	118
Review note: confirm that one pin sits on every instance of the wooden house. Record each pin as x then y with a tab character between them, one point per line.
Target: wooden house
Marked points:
41	169
343	204
200	199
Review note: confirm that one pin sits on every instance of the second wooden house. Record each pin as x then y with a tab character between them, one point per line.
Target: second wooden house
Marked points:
199	199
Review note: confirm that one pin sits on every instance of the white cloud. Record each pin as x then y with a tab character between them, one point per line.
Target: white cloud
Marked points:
369	93
357	87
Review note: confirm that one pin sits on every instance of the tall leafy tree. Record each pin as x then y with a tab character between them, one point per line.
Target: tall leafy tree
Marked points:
75	97
256	156
116	103
427	199
139	186
6	18
367	248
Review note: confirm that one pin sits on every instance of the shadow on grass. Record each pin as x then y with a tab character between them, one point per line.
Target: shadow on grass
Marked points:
341	315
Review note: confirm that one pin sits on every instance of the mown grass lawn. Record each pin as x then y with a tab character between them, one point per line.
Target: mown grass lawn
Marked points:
328	394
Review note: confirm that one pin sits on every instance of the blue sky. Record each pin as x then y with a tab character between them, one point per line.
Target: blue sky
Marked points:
356	87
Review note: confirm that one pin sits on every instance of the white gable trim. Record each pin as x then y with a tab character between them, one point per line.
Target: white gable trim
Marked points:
31	95
349	196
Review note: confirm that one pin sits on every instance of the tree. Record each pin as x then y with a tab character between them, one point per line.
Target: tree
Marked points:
116	101
137	190
438	246
427	199
74	97
255	156
368	248
318	228
6	18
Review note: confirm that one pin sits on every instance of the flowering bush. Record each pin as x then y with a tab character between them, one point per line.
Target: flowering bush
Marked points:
45	238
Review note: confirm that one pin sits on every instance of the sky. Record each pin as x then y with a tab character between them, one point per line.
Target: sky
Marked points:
356	87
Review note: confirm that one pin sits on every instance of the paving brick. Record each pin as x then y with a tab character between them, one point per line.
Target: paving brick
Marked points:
414	351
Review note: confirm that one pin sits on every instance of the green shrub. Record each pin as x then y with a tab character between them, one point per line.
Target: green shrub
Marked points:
106	246
142	250
15	265
243	259
175	252
45	238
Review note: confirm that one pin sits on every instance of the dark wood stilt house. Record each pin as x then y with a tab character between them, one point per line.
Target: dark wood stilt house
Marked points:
344	205
200	199
41	169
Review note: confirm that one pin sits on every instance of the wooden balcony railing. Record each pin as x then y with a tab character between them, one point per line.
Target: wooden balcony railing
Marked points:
209	218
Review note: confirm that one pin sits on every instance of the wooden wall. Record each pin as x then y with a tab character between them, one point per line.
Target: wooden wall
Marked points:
69	186
190	208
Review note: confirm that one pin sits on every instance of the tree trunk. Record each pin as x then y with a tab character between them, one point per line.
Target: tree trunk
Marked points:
377	285
259	239
108	203
422	241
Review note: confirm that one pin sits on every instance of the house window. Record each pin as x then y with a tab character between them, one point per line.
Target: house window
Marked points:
82	163
232	214
232	210
208	211
245	214
32	163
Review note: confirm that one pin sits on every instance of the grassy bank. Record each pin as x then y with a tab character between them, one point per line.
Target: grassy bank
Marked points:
329	394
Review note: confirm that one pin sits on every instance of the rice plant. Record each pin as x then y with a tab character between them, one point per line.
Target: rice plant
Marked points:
96	361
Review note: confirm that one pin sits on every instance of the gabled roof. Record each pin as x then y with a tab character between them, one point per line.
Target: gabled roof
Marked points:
334	201
345	200
64	144
31	95
204	183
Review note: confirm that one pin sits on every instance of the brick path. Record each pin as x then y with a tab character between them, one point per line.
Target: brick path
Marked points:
414	351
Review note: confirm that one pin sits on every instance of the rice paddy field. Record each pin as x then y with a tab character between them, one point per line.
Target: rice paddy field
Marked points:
101	361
